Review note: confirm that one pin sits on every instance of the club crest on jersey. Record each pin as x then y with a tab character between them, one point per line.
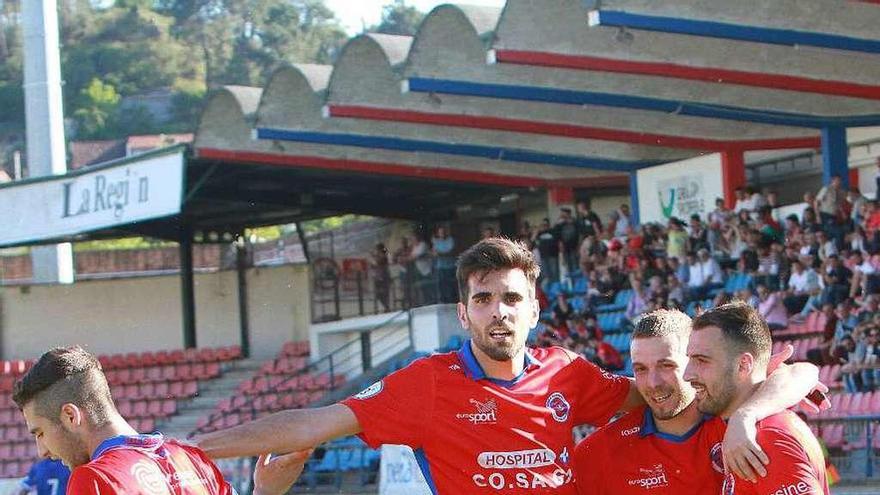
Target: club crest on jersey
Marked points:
559	407
717	460
729	485
371	391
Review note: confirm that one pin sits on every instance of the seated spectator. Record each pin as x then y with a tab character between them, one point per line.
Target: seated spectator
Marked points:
704	275
675	297
772	308
836	277
639	300
803	283
746	295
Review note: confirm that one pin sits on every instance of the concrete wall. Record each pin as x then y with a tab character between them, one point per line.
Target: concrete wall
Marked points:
141	314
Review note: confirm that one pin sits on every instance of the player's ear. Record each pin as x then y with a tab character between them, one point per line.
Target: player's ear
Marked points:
536	311
746	364
461	309
71	416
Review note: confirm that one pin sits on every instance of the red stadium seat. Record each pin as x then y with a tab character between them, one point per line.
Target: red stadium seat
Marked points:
139	409
184	371
162	390
191	388
169	407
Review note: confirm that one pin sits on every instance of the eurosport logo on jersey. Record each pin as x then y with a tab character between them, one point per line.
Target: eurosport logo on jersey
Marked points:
486	413
654	477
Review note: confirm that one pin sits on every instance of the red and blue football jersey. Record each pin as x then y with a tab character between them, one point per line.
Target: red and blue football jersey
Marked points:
631	457
797	463
147	465
473	434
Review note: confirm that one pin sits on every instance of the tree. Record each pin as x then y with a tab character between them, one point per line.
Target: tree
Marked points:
100	103
399	18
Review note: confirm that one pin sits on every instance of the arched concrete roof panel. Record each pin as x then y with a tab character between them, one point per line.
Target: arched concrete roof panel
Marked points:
658	87
226	120
365	68
452	36
294	94
837	17
559	27
638	121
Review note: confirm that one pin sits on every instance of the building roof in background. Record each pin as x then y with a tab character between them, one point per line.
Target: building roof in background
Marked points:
85	153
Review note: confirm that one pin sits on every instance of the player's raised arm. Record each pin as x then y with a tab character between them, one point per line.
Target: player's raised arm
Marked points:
285	431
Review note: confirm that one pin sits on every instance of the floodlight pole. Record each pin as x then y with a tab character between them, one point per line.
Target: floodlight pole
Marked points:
187	287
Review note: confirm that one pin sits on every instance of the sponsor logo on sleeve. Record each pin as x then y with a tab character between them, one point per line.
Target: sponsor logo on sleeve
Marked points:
716	458
371	391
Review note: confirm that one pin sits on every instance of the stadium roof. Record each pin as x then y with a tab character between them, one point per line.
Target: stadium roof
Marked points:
560	93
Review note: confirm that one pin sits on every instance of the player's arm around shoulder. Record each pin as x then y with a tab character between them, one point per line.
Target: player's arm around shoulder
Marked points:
285	431
604	393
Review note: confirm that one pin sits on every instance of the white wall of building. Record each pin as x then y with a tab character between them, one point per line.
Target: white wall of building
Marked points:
144	314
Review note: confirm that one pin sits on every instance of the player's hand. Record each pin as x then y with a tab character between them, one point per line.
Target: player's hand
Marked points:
778	359
817	401
740	450
275	475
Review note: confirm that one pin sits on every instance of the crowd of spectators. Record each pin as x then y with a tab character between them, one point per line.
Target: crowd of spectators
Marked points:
825	258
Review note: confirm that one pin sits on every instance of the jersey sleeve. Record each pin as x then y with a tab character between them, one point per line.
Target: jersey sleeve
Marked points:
85	481
29	482
588	468
789	471
395	410
600	394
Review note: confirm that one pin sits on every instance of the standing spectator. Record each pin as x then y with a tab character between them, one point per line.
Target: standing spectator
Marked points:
569	239
526	236
743	201
620	221
717	219
858	202
403	269
872	226
698	238
424	271
589	223
444	245
677	239
547	240
830	201
381	275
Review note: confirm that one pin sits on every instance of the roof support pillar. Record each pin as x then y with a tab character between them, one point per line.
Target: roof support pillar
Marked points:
733	174
559	197
835	155
187	287
634	197
241	264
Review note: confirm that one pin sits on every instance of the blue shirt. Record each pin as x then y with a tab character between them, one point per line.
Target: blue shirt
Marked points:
47	477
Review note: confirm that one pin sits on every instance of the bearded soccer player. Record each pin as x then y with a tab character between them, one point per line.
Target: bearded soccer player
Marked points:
67	405
667	447
492	417
729	351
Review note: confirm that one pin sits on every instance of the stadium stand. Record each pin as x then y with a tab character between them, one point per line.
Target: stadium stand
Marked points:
147	388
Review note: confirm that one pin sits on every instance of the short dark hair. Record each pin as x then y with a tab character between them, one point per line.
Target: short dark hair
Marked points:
494	253
661	323
66	375
743	328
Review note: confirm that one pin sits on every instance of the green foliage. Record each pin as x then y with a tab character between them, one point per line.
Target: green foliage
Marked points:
99	102
398	18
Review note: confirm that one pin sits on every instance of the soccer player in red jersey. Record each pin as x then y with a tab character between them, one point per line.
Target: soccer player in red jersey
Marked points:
67	405
668	446
493	417
729	351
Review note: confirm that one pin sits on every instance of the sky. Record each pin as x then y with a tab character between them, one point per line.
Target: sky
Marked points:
354	14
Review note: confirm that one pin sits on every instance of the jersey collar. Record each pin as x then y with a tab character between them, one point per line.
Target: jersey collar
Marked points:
649	427
141	442
475	372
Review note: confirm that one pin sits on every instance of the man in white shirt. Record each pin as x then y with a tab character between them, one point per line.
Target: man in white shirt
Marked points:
705	275
802	283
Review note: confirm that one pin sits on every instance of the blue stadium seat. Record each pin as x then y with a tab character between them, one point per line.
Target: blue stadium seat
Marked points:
620	301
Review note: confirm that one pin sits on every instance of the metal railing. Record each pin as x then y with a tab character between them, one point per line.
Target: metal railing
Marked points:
857	459
356	295
367	354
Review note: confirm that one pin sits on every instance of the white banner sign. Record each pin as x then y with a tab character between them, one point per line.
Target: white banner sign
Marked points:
109	196
399	473
680	189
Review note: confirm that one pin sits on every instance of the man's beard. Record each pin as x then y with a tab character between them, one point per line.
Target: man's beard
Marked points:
497	350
